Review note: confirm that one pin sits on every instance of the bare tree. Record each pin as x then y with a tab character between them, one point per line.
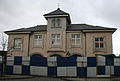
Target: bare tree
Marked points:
3	41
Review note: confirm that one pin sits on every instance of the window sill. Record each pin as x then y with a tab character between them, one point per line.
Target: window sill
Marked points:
37	46
75	46
16	49
55	46
99	50
56	27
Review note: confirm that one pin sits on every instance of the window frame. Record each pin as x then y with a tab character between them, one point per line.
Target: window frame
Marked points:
76	40
17	46
55	39
39	40
56	23
100	46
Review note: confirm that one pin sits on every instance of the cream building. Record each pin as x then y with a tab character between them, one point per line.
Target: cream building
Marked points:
60	38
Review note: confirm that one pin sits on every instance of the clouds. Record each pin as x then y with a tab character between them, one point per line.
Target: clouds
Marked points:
16	14
108	10
81	11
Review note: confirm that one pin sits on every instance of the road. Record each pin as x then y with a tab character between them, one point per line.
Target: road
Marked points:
35	79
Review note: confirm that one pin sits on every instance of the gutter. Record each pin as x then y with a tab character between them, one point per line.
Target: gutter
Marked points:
17	32
85	44
98	30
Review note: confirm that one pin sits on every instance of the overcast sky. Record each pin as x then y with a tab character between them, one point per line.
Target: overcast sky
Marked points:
16	14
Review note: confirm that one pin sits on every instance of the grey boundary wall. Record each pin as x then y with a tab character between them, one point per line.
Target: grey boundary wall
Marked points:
99	66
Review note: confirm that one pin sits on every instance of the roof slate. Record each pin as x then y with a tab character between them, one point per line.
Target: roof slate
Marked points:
57	12
72	27
80	27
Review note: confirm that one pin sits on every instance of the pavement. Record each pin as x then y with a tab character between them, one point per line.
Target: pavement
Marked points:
93	79
21	77
8	77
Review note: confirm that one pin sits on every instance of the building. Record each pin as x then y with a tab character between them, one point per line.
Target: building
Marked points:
60	38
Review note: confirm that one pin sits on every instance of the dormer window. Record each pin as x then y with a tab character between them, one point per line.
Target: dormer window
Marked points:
56	22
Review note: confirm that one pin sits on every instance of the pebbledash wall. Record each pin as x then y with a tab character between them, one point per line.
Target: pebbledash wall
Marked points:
99	66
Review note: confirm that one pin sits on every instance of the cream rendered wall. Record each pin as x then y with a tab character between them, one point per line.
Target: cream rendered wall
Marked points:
62	27
90	50
85	49
59	49
38	50
14	52
80	49
47	49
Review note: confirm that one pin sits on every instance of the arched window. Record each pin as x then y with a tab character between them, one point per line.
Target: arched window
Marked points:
77	55
56	22
36	55
55	55
53	23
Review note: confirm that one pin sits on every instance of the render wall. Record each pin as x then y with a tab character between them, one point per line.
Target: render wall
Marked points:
86	48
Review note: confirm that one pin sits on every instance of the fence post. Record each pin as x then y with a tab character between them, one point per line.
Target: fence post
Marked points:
3	62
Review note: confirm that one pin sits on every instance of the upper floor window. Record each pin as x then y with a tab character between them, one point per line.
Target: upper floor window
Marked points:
55	39
75	39
18	43
99	43
38	40
56	22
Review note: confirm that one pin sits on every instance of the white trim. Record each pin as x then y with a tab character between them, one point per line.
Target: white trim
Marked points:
104	44
16	32
18	43
56	38
56	15
71	46
42	40
98	30
73	31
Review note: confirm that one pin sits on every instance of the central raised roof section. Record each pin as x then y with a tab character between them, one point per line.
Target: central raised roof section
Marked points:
58	13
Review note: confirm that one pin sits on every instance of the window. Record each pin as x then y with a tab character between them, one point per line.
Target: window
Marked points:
55	39
38	40
18	43
99	43
56	22
75	39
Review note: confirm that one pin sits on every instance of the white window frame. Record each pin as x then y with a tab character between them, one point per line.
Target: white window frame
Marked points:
99	42
18	43
56	22
39	41
75	39
55	38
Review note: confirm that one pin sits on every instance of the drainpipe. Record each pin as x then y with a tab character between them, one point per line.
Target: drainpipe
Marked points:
85	44
29	43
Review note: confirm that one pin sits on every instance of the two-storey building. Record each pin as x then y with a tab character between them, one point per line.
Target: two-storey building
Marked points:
60	38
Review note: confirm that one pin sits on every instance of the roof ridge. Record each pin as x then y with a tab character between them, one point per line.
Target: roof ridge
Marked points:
55	12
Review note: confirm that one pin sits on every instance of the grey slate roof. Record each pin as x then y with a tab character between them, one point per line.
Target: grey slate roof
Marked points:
38	28
57	12
72	27
80	27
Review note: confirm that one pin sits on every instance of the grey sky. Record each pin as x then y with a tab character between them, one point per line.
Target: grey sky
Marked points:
16	14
